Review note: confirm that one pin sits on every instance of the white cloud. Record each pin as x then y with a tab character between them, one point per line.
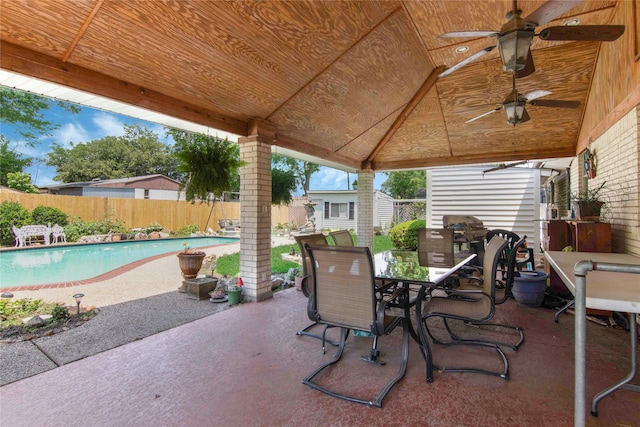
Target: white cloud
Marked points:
71	132
107	124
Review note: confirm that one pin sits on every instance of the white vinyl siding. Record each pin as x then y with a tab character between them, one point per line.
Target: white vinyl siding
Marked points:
342	209
507	199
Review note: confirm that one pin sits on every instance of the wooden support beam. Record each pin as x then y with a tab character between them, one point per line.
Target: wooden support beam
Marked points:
30	63
406	112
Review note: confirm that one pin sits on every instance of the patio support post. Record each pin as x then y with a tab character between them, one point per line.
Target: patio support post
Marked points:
364	215
255	217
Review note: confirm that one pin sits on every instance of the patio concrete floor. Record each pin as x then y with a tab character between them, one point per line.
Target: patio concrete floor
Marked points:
244	366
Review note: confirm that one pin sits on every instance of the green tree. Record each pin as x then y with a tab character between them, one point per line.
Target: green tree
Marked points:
21	181
138	152
10	160
302	170
25	111
209	165
404	184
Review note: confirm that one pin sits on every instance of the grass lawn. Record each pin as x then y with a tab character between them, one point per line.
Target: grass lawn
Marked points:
229	265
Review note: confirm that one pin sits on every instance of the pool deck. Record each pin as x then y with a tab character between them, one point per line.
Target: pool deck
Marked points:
151	276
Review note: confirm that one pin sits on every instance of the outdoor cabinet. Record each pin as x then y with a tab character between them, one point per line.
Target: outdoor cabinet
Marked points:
582	236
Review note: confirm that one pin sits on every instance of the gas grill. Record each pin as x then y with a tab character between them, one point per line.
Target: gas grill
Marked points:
467	229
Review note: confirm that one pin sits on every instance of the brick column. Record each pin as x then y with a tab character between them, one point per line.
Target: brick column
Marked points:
255	217
365	208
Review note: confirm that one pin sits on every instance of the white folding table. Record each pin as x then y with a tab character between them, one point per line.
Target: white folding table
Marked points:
612	284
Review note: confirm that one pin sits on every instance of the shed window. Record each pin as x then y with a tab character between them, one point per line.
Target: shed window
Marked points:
146	193
340	210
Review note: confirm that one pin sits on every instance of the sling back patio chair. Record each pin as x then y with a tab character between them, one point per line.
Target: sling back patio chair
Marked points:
307	280
342	238
344	296
435	246
512	239
471	307
508	264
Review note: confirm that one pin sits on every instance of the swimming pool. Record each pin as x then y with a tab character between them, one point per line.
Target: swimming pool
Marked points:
56	264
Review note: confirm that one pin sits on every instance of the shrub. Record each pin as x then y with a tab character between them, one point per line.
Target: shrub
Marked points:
11	213
46	215
78	228
187	230
153	228
405	234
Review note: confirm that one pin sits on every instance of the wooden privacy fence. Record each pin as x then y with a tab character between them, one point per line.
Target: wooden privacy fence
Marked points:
139	213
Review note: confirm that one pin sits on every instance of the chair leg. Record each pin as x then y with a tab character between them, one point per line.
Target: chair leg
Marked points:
457	341
377	402
562	310
322	337
513	347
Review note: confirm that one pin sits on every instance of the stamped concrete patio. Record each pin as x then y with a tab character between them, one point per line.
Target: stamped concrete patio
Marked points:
244	366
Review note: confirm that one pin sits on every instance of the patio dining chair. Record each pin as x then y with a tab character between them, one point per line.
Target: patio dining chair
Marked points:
471	307
344	296
307	280
342	238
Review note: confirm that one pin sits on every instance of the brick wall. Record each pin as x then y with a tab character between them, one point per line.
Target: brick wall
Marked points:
618	163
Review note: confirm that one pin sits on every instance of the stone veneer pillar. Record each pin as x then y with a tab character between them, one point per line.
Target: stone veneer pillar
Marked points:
255	217
365	208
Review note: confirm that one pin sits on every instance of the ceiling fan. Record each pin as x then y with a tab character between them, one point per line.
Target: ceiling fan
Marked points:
502	166
514	105
515	36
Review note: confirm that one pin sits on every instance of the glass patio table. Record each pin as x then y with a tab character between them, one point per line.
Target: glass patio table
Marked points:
422	270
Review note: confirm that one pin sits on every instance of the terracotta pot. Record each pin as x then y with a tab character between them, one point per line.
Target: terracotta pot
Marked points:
190	264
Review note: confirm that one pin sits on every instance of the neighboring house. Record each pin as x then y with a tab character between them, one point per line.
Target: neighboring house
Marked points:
10	190
153	187
338	209
507	198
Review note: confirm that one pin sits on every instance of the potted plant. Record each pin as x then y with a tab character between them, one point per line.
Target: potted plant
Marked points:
190	262
588	205
234	291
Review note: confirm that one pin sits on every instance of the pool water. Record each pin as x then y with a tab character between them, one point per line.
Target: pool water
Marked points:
56	264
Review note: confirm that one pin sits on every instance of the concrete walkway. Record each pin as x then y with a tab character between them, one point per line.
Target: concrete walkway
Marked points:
133	305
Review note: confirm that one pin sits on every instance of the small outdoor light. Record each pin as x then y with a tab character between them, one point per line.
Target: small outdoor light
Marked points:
514	49
78	298
514	110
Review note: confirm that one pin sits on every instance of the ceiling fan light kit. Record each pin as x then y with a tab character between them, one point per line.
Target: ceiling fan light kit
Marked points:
515	111
514	49
515	37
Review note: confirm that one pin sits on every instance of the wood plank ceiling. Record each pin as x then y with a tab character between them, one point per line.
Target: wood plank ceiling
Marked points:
350	81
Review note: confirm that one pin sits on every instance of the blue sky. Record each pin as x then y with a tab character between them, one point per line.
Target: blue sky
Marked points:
91	124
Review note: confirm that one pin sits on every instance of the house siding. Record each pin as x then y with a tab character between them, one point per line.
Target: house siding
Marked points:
382	209
507	199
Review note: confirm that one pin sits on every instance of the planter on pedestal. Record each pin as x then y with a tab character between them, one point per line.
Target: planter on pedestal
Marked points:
190	264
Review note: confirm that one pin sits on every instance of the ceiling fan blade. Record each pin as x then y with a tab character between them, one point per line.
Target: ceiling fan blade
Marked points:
550	10
525	117
468	34
602	33
555	103
466	61
536	94
502	166
485	114
529	67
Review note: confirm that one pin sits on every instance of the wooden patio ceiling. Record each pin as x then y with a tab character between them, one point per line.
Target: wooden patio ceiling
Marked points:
353	82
